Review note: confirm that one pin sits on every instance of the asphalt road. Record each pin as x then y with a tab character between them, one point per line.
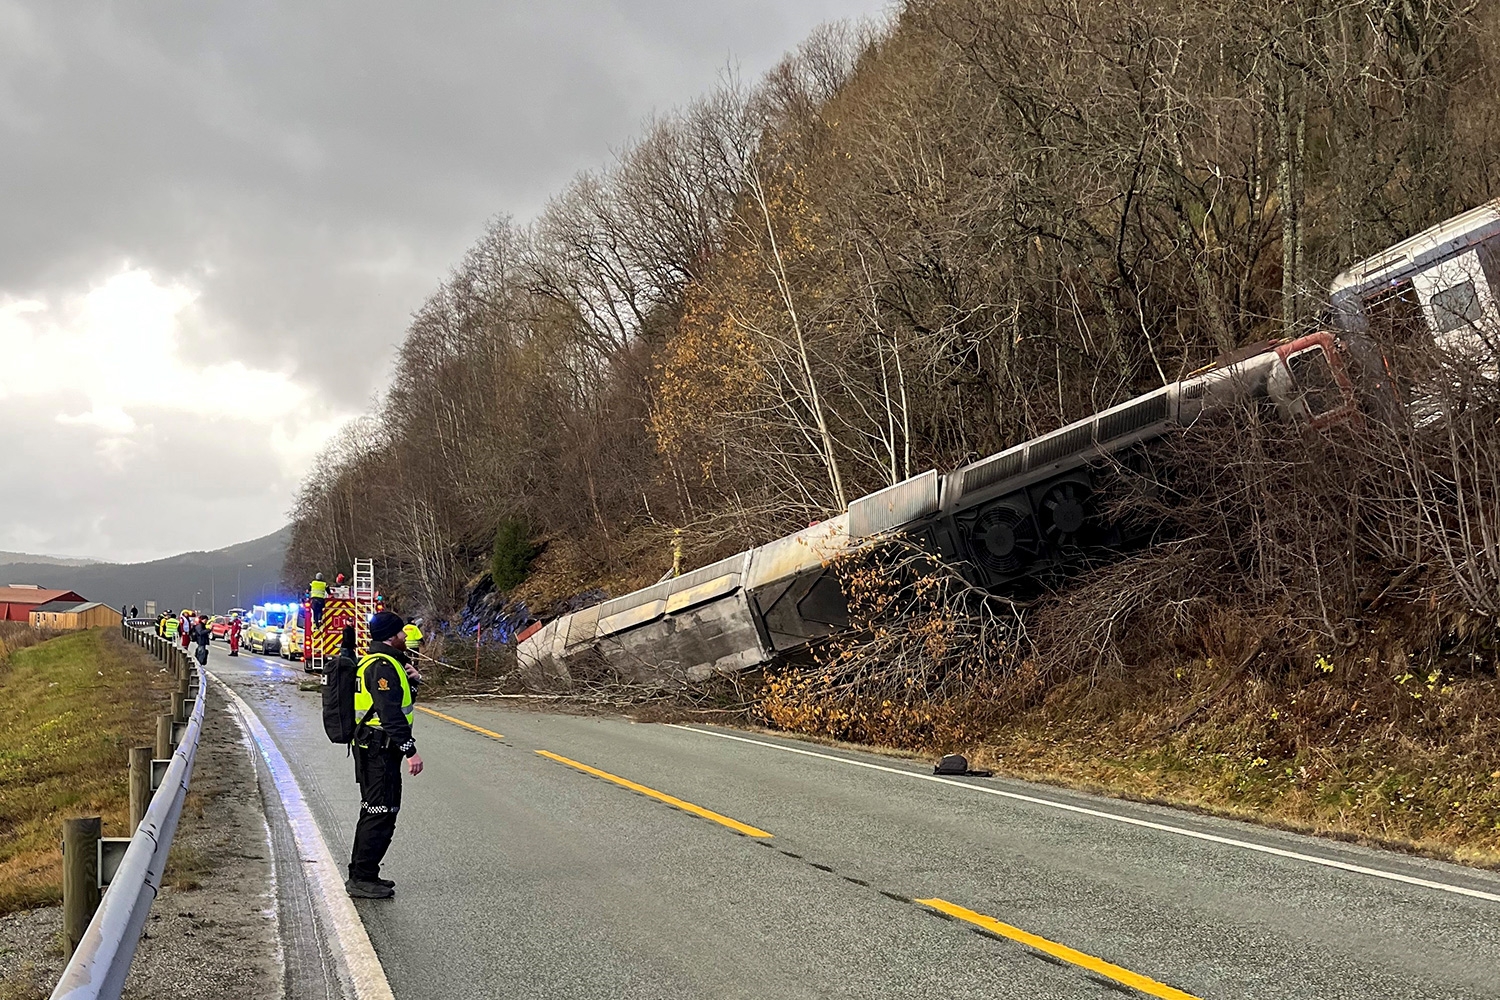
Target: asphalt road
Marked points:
829	873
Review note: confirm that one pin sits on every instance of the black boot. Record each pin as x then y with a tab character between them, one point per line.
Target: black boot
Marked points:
368	890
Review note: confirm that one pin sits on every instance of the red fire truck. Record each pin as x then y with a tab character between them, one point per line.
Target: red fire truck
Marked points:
354	604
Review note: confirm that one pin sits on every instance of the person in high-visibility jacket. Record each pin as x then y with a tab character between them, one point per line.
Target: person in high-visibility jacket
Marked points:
169	626
317	596
413	633
383	712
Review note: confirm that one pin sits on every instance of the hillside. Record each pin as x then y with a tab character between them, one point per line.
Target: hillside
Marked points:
905	248
13	558
174	582
913	246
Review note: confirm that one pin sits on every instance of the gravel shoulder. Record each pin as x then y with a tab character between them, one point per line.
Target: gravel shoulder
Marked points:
214	923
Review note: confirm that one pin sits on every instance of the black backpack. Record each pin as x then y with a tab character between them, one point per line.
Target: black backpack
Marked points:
957	763
338	700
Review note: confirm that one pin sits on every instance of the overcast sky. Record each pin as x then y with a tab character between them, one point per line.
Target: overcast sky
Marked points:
217	217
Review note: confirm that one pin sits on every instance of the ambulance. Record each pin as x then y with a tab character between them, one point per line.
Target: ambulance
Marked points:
266	628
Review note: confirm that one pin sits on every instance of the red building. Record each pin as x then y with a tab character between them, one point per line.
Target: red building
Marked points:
18	600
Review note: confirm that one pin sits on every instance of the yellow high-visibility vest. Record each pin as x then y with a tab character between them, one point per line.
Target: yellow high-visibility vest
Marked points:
169	628
319	588
364	701
413	636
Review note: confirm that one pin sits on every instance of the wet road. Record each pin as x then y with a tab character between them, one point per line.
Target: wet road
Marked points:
546	855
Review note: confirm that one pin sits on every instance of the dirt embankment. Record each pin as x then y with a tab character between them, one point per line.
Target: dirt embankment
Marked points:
1387	745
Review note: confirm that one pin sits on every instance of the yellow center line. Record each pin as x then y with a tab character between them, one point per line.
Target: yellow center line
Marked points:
460	722
1145	984
670	800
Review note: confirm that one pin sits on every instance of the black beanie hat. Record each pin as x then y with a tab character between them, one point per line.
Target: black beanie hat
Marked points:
384	625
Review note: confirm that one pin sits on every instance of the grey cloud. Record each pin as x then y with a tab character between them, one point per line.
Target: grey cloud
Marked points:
183	483
282	144
315	167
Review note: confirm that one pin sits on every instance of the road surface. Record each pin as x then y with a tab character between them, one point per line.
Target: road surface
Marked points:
555	856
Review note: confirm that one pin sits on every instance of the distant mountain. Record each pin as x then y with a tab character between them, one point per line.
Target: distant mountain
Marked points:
242	574
7	558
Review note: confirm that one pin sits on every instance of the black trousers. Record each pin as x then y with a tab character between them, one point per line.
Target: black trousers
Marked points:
316	606
378	772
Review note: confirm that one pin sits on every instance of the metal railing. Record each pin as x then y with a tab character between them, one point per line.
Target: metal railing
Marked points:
102	959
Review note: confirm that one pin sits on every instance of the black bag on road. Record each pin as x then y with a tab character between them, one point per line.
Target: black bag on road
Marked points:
957	763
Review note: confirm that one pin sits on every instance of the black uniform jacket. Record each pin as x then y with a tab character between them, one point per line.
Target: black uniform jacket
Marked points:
385	691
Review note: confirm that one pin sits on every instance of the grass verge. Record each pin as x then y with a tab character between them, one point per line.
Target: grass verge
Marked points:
1363	749
75	704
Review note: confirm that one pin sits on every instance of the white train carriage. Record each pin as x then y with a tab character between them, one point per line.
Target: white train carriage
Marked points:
1443	283
1003	519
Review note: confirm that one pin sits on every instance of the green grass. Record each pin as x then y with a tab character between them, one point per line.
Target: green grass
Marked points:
74	705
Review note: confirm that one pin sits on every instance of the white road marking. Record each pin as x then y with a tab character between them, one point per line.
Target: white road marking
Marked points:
1116	818
357	962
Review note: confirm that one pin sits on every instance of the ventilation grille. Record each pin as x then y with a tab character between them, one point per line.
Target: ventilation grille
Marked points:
1060	445
1144	413
993	470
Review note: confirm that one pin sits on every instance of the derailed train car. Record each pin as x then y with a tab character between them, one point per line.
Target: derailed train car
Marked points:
1441	286
1011	517
1004	520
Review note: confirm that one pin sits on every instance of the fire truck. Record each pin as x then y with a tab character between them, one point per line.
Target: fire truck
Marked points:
354	604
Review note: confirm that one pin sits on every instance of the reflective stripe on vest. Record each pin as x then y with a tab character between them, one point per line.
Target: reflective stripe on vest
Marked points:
319	588
413	636
364	701
169	627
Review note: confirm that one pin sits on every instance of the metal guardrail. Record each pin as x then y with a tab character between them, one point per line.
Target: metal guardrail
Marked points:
102	960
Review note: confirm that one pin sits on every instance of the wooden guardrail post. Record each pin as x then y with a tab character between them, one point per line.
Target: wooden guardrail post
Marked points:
140	784
80	878
163	738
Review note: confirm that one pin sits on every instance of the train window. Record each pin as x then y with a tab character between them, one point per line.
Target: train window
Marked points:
1456	307
1315	381
1395	316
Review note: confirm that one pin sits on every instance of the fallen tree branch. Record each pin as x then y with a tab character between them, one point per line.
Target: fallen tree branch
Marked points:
1214	695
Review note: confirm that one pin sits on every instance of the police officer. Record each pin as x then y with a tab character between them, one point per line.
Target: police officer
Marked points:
169	626
317	596
382	737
